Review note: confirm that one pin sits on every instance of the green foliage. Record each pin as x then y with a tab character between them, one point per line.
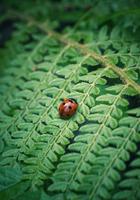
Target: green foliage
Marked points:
58	50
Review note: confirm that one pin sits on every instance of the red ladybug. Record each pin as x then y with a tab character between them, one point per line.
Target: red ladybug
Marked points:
68	108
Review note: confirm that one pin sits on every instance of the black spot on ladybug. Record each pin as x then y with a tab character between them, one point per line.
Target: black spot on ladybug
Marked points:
70	107
63	103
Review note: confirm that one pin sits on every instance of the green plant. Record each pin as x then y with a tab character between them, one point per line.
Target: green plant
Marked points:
57	50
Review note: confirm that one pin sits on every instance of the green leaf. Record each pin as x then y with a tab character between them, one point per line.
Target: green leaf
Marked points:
87	51
91	128
9	177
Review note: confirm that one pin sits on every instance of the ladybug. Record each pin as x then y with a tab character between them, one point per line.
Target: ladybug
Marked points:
68	108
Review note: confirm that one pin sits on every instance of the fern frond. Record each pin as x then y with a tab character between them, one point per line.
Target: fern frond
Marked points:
84	50
94	139
129	186
91	56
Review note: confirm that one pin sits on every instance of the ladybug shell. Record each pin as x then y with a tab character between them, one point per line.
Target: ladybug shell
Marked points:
67	108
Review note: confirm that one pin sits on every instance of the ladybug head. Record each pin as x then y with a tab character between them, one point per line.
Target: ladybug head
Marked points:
73	100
